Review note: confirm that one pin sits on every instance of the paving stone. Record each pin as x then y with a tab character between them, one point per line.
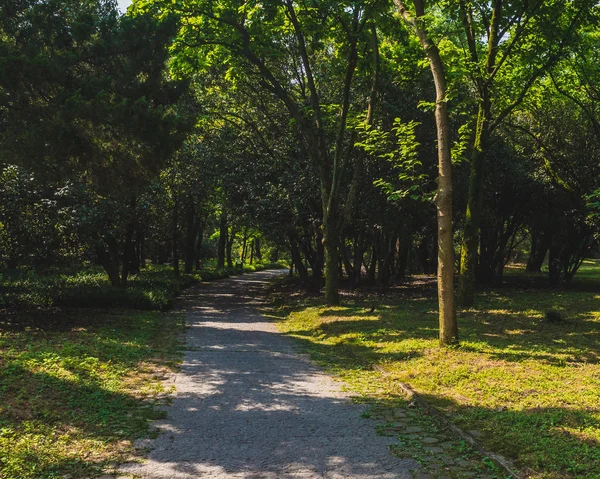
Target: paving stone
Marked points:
249	406
434	449
447	460
413	429
430	440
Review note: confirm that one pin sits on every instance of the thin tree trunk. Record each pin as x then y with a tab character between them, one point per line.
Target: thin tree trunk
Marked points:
257	251
471	236
222	241
244	240
358	258
128	255
448	333
330	242
192	225
230	240
175	238
142	251
198	249
297	258
373	263
110	260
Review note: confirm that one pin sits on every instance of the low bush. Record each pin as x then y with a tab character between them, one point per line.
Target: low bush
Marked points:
154	288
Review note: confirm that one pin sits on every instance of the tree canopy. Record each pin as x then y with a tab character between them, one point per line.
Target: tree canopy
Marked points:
362	141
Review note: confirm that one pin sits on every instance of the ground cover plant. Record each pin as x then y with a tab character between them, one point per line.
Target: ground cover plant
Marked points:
154	288
78	387
525	378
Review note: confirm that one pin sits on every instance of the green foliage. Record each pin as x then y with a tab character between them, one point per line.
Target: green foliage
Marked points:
155	288
400	149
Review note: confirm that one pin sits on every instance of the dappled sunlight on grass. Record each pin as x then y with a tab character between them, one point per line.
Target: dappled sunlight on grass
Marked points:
73	399
530	386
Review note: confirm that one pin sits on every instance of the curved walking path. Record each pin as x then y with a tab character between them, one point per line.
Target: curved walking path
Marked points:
248	405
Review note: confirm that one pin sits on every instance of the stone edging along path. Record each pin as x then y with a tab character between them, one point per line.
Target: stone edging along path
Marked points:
248	404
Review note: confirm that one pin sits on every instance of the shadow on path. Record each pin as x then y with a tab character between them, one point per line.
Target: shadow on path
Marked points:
248	405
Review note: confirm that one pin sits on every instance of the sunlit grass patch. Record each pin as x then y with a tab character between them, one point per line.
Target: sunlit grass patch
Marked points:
531	387
77	388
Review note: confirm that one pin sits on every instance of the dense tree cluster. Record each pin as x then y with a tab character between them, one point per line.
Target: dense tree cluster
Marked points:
331	130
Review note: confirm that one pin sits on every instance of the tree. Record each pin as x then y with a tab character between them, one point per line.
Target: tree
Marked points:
84	97
284	48
510	46
448	333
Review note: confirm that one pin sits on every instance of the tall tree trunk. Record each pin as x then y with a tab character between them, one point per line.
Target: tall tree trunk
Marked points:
373	263
230	240
443	200
359	251
198	250
346	261
555	264
404	246
470	243
330	242
257	251
175	239
223	233
244	241
540	243
297	258
319	254
130	263
191	231
140	251
109	259
128	255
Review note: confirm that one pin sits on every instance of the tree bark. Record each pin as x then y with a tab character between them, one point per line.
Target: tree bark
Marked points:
175	239
448	326
471	236
244	241
230	240
257	251
128	255
192	226
330	242
297	258
110	260
223	233
540	243
198	251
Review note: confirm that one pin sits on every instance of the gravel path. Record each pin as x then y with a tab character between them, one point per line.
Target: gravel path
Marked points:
248	405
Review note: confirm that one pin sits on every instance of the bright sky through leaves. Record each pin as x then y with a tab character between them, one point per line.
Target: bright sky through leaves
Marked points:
123	4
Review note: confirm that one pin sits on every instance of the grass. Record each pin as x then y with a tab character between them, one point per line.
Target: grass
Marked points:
529	388
154	288
77	388
79	385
